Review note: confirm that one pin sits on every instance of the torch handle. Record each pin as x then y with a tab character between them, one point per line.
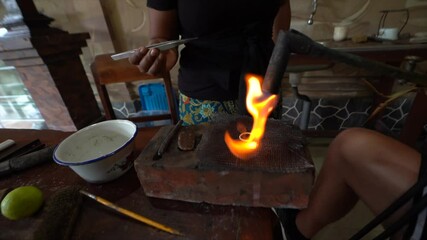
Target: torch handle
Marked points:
277	65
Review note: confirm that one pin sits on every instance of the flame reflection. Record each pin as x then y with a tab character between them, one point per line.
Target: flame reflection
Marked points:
259	105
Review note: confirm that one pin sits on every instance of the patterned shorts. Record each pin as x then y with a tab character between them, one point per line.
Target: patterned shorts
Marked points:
194	111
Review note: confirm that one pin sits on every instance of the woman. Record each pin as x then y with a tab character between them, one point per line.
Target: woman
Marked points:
233	38
361	165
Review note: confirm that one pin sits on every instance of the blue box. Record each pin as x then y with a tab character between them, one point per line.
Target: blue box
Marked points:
153	96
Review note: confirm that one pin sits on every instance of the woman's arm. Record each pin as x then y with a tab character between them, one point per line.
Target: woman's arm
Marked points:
163	27
283	19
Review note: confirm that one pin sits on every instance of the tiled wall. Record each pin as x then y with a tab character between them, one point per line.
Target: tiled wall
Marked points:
333	114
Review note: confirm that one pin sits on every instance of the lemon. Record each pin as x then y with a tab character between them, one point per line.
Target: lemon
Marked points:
21	202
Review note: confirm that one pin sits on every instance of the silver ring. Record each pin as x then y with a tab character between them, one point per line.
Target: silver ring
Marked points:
244	136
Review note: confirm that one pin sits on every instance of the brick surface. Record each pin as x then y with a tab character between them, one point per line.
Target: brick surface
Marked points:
177	176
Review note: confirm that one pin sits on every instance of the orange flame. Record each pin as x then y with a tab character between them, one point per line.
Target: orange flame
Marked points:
259	105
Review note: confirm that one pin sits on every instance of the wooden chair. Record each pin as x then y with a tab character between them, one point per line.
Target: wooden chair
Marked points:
107	71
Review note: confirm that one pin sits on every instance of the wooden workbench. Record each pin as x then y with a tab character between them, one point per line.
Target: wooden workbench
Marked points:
196	221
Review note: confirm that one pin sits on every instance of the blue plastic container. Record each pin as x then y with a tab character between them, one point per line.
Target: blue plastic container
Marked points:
153	96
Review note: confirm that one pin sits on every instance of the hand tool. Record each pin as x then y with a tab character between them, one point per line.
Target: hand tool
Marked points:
166	141
18	150
161	46
6	144
131	214
26	161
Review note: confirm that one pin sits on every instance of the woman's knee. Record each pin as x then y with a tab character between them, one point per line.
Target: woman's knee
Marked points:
356	145
353	139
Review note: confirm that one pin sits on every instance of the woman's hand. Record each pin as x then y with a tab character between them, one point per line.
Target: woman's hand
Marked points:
153	61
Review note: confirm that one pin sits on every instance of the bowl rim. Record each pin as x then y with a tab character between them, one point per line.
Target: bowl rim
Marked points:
58	161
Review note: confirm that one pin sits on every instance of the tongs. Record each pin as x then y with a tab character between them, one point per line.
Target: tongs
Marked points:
161	46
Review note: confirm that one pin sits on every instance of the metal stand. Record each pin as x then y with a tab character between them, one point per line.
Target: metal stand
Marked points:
295	42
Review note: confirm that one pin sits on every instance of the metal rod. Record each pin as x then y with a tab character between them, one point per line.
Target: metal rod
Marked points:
166	141
374	66
296	42
277	65
313	11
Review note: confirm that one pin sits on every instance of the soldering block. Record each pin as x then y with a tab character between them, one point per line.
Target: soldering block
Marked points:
281	175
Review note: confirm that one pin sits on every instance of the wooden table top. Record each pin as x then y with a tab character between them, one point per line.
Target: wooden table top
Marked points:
196	221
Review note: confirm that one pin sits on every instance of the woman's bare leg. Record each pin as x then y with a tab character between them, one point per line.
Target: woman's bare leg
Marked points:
360	164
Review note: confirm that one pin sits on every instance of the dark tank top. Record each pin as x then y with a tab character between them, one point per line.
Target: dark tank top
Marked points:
234	38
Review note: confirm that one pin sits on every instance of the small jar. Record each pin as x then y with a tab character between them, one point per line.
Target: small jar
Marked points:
340	33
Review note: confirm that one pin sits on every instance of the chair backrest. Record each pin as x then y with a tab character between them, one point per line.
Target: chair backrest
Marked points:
107	71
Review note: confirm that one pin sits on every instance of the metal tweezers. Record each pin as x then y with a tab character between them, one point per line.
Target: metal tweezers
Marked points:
161	46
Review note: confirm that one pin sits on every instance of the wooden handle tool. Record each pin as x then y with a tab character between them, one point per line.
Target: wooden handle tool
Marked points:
131	214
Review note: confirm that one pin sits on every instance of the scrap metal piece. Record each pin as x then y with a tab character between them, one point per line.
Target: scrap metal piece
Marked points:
186	139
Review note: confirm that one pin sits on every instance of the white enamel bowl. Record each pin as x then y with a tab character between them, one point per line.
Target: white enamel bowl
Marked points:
100	152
